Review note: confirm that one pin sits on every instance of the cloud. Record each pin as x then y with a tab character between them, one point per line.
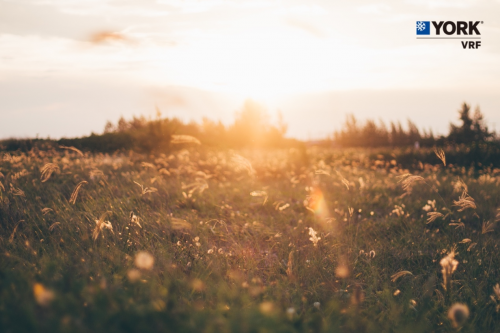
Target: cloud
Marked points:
445	3
305	26
378	8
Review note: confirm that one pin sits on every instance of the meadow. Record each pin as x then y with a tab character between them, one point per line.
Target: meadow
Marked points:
256	240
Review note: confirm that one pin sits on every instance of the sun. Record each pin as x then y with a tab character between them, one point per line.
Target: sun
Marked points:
260	63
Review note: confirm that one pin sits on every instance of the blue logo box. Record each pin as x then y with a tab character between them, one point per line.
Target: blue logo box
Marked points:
423	27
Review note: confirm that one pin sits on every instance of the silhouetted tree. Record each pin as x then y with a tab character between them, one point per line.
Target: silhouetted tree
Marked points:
472	128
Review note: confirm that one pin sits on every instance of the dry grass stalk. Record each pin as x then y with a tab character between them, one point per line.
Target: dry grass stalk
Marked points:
100	225
473	245
180	224
73	149
260	194
289	269
55	224
199	185
146	190
46	210
11	238
148	165
74	195
457	225
407	180
465	241
47	170
440	154
95	173
242	164
1	187
17	191
449	265
488	227
465	201
322	172
496	296
433	216
397	275
184	139
344	181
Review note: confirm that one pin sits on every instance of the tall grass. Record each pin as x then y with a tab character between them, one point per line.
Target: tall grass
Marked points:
253	240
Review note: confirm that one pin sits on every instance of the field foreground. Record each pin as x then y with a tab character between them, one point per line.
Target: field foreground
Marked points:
253	241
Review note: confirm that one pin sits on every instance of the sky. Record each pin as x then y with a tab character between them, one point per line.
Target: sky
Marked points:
68	66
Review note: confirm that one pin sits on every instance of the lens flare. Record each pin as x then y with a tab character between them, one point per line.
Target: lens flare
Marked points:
317	204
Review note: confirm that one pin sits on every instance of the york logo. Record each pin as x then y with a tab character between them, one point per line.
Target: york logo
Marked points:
467	31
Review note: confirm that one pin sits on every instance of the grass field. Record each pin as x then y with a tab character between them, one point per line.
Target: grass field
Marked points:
248	241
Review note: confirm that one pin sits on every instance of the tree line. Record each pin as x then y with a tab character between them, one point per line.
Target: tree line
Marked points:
473	128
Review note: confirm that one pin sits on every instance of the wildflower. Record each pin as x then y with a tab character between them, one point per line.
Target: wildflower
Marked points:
398	210
100	225
315	239
431	205
43	296
317	305
449	265
458	314
134	219
144	260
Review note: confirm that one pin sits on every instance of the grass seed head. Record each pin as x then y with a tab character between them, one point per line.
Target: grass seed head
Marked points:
47	170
